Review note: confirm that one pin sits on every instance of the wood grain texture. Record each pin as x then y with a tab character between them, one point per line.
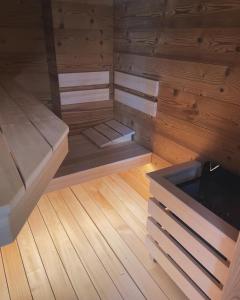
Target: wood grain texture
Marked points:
47	17
192	48
4	293
14	272
144	85
83	79
11	185
148	287
22	140
37	278
197	247
63	236
84	115
84	45
79	277
23	52
136	102
194	270
31	153
221	235
191	290
86	96
232	290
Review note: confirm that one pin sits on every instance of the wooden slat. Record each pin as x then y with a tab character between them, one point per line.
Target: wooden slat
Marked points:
96	137
179	173
175	273
107	131
141	84
87	78
117	272
112	197
11	185
133	242
198	249
139	103
209	226
98	274
183	259
13	222
75	97
57	275
51	127
29	149
15	273
128	201
10	112
4	293
172	69
80	280
126	186
36	275
119	127
53	131
133	180
142	278
231	289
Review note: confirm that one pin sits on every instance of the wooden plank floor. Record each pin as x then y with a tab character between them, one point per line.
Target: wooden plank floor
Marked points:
87	242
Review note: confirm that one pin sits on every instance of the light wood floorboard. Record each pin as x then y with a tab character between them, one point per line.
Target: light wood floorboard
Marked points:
87	242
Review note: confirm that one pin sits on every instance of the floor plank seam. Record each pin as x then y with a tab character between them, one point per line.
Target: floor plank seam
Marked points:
24	268
54	244
120	236
41	260
110	245
5	273
93	246
74	248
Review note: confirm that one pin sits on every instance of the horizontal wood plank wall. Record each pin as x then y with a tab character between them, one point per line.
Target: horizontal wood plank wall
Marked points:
84	44
22	46
193	49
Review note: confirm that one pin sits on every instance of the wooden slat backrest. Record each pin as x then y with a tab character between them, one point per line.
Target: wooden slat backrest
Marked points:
83	79
147	86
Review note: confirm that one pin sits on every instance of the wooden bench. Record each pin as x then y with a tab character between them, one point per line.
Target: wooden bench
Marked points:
33	144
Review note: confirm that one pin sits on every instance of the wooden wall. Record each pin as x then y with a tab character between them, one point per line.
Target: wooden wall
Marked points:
84	43
193	49
22	46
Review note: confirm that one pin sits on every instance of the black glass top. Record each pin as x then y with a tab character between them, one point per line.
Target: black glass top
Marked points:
218	190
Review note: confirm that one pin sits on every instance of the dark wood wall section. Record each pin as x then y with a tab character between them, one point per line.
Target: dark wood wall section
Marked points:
22	46
84	43
193	49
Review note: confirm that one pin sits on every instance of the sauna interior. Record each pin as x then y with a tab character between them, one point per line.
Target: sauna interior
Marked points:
119	149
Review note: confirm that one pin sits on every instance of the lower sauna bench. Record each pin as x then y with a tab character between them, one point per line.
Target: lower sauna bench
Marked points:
86	161
192	244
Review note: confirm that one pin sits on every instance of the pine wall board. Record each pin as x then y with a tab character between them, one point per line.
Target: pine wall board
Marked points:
193	49
83	32
22	46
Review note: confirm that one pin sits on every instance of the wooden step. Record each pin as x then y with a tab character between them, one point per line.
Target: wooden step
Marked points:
119	127
96	137
109	133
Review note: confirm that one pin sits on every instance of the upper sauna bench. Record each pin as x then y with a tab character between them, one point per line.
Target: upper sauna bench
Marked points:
33	144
